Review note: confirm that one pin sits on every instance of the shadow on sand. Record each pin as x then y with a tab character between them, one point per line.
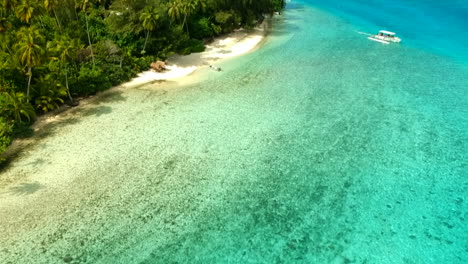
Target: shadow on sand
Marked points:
64	116
26	188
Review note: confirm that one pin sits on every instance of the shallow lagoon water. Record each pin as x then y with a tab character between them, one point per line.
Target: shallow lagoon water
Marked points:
320	147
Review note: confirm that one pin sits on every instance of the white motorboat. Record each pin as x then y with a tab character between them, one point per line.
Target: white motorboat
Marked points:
385	37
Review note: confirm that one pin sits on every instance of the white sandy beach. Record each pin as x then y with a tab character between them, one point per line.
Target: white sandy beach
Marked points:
235	44
231	45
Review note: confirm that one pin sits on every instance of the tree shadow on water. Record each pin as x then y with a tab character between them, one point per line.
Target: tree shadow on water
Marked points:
32	138
26	188
110	97
97	111
37	162
64	116
49	129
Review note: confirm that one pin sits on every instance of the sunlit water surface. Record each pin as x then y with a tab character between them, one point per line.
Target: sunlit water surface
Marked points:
321	147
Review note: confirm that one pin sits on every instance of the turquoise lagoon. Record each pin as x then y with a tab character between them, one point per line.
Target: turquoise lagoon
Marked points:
320	147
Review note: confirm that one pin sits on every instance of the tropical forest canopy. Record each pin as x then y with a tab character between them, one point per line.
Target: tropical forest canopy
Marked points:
52	51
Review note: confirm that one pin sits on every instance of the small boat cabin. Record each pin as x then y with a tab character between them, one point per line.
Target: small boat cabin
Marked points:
385	37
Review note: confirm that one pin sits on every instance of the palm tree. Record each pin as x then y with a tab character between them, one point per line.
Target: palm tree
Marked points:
49	93
188	8
65	50
27	9
50	6
15	106
185	8
6	40
83	5
4	24
149	17
30	51
174	10
202	4
9	4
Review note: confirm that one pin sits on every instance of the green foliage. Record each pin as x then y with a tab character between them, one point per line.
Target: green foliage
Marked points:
124	21
216	29
15	107
278	5
202	28
90	80
117	74
30	51
143	63
97	27
149	18
26	10
13	76
250	19
191	46
53	48
224	18
6	134
227	20
108	51
175	10
29	47
49	93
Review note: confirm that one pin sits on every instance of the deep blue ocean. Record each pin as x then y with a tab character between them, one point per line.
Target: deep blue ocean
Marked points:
319	147
439	26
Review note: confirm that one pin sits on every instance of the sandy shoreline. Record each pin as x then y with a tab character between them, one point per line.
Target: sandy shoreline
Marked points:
228	46
232	45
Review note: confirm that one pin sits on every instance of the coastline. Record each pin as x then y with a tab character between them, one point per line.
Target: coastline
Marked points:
296	152
179	68
237	43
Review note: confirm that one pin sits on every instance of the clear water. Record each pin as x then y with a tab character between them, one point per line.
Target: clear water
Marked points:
321	147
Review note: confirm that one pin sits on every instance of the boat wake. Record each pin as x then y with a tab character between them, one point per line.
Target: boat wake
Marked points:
364	33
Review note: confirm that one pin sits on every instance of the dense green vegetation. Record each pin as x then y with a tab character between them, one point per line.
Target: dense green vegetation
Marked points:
52	51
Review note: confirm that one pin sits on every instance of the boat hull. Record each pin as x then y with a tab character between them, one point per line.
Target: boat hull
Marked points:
379	40
388	39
